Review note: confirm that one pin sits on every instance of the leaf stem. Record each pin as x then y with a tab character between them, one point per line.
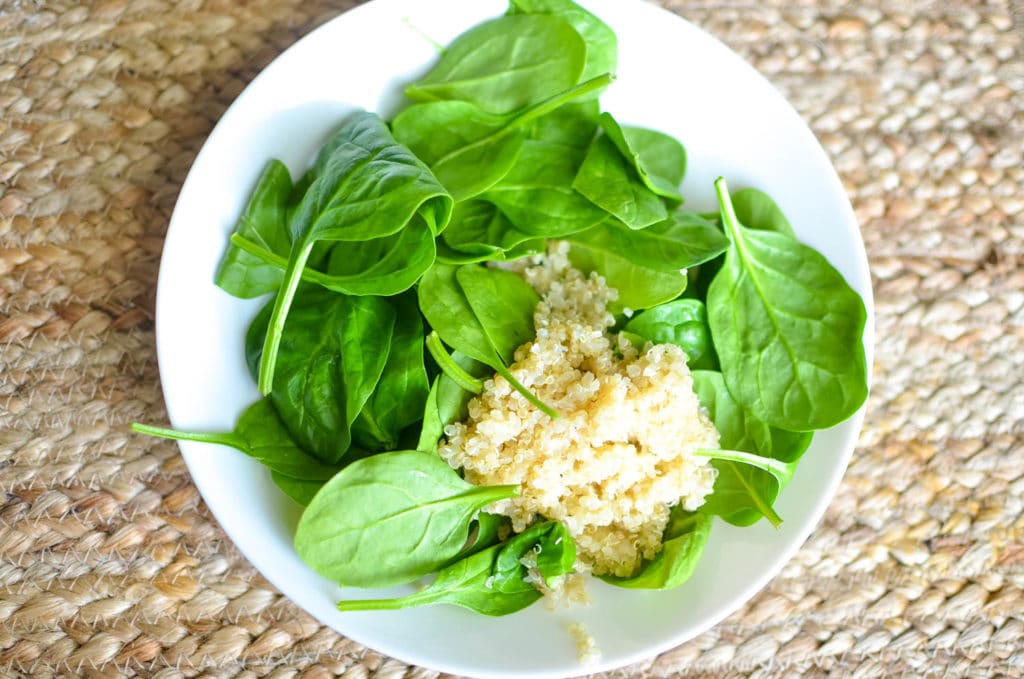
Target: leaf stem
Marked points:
527	394
283	302
726	209
224	439
782	471
553	102
276	260
414	599
449	367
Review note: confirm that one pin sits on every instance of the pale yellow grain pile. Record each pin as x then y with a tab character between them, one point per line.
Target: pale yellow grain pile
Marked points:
622	451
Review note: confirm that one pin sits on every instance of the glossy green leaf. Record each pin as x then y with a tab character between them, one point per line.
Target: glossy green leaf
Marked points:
390	518
506	64
788	329
659	159
683	544
682	322
610	181
638	287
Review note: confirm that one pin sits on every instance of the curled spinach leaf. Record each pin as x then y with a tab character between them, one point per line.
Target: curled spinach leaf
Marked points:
368	186
609	181
755	209
659	160
639	287
390	518
506	64
479	232
448	401
788	329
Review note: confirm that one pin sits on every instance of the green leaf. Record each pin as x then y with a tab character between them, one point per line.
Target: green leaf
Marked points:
368	186
297	489
683	544
602	44
609	181
493	581
788	329
448	401
390	518
506	64
332	356
260	434
756	210
537	195
639	287
480	231
468	149
401	393
263	223
681	241
659	160
682	322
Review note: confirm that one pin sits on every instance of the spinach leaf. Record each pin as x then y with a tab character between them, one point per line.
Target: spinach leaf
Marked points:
788	329
486	531
494	581
572	125
537	195
390	518
756	210
683	322
369	187
681	241
265	224
659	160
380	266
260	434
781	471
602	44
468	149
683	543
300	490
331	358
483	313
448	401
609	181
480	231
398	399
506	64
638	286
743	493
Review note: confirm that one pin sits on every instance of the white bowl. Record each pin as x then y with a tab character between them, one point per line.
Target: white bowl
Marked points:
671	77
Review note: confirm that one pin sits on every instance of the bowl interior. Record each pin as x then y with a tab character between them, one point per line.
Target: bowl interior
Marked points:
672	77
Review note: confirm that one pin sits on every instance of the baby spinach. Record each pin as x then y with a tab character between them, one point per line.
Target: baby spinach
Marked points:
379	266
537	194
398	398
788	329
659	160
264	223
682	322
484	313
260	434
299	490
609	181
781	471
390	518
331	357
682	543
506	64
481	232
602	44
493	581
468	149
638	286
369	187
681	241
756	210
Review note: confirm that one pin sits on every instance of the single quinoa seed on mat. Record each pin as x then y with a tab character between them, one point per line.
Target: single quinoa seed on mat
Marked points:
622	452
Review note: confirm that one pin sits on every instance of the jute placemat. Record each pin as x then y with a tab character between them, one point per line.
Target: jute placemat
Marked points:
111	566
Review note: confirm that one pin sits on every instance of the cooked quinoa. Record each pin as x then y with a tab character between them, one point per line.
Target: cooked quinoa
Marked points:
621	453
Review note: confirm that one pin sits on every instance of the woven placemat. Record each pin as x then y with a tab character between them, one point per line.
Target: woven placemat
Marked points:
110	564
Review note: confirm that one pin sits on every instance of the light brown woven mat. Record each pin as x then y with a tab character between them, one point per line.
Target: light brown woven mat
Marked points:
111	566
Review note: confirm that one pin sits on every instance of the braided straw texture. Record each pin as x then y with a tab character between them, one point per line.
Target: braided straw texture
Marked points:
110	564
